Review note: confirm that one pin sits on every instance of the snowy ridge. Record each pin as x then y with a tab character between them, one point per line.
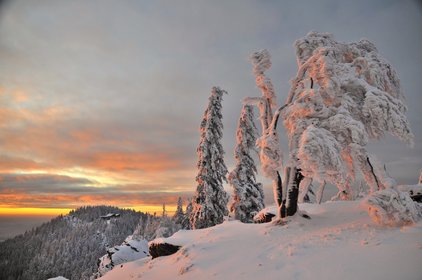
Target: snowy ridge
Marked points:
339	242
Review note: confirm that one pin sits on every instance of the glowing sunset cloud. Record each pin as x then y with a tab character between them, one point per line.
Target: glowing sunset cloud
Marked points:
33	211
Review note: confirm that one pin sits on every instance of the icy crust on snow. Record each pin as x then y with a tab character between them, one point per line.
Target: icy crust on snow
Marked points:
393	208
343	94
339	242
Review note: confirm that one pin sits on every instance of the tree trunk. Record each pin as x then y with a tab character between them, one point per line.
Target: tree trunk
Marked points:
278	190
320	192
304	188
289	207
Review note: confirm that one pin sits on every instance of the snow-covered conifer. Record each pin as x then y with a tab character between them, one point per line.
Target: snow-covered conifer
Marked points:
420	178
179	216
186	223
210	200
164	214
248	196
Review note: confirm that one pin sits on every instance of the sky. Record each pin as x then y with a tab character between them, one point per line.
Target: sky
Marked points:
101	101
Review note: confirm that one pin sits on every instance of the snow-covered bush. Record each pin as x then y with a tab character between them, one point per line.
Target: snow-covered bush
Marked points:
393	208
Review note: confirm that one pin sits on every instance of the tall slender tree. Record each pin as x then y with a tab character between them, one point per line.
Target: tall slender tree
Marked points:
248	196
270	153
179	215
420	178
210	200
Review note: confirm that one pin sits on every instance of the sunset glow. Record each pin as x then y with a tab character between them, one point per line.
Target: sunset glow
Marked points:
111	116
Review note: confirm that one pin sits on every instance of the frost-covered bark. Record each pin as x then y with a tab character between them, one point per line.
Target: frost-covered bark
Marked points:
270	153
248	196
210	200
393	208
343	95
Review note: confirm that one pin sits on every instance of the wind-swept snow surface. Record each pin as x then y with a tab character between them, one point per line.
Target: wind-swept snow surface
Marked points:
339	242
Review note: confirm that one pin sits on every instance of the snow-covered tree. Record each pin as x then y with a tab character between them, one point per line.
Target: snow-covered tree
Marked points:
420	178
186	222
164	214
270	152
210	200
248	196
342	96
179	216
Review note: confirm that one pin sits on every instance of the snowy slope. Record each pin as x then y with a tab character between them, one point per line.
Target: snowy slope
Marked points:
339	242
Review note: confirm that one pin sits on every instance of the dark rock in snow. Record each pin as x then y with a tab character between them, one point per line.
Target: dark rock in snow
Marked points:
261	217
110	215
415	191
417	198
162	249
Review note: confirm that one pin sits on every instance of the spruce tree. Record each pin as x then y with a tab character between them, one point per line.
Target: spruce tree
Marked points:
210	200
179	216
248	196
186	223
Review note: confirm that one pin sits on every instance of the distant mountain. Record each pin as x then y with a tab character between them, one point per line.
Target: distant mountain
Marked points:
68	245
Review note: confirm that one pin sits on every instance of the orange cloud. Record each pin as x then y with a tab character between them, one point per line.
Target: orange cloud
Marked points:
118	161
20	96
122	166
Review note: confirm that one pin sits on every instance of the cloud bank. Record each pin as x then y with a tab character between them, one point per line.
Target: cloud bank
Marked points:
100	101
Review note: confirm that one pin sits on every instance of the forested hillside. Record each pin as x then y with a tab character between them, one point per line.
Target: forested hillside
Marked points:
67	245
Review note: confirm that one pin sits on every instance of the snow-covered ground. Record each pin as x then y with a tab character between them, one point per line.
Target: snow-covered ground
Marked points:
339	242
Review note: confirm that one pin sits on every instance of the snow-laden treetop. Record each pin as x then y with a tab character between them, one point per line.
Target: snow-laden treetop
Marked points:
343	95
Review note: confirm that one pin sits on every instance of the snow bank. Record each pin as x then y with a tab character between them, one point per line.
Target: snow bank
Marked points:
339	242
393	207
